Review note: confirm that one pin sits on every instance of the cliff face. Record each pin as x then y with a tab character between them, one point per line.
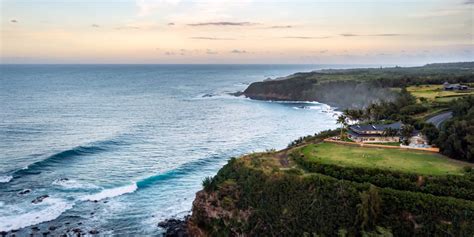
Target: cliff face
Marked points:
212	207
342	94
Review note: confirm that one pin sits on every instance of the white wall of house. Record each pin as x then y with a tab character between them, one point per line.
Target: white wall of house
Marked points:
375	139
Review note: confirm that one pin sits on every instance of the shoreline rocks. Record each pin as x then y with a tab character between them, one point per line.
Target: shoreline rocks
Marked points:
40	199
175	227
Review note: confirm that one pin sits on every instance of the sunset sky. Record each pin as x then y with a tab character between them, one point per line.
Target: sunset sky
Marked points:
237	31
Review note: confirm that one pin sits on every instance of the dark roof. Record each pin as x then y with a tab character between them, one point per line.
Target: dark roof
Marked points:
376	127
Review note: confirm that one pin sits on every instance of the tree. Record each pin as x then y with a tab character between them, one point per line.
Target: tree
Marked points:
431	132
456	138
369	208
406	132
354	114
342	120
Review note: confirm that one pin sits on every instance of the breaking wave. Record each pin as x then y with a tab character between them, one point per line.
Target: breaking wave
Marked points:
49	209
110	193
6	179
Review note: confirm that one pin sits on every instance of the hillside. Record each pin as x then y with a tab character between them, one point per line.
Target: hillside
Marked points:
356	88
293	193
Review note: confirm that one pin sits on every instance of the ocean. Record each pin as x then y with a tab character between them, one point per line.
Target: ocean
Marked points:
119	148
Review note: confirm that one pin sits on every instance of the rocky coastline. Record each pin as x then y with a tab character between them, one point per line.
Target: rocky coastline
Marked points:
340	94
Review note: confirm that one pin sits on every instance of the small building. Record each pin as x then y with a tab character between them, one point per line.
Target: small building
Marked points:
454	87
375	133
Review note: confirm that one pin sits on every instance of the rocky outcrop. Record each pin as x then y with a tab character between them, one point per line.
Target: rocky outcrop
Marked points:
341	94
209	207
39	199
175	227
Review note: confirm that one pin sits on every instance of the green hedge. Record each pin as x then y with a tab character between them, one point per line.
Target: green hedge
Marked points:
286	204
449	185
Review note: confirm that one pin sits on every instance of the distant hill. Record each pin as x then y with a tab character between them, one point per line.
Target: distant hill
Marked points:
356	88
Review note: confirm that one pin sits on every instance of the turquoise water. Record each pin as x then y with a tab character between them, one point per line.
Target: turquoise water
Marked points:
119	148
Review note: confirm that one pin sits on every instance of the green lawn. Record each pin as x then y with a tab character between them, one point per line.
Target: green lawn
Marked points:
436	92
401	160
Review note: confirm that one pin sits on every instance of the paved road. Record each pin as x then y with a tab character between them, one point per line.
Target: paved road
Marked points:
440	118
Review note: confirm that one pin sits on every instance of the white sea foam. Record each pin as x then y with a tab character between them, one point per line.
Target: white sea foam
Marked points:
110	193
73	184
49	209
5	179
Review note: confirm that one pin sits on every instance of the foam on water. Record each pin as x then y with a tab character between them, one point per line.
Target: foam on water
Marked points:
6	178
110	193
73	184
49	209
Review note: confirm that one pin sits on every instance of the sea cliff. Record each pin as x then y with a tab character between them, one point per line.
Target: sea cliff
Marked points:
342	94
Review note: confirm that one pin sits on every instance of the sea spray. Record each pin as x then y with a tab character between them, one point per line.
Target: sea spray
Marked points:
16	217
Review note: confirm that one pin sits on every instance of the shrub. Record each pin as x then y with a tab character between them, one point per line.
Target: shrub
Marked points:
207	183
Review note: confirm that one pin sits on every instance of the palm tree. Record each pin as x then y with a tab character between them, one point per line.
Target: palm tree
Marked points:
342	120
354	114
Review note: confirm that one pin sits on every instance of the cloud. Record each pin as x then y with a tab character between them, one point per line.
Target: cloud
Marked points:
95	26
209	51
306	37
171	24
13	21
211	38
236	51
324	51
375	35
386	35
281	27
128	28
469	2
349	35
224	23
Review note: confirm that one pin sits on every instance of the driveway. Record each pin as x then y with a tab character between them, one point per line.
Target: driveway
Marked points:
437	120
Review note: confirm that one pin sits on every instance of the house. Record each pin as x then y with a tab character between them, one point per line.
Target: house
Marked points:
375	133
454	87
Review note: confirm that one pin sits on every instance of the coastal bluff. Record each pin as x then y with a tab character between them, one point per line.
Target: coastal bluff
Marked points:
358	87
306	87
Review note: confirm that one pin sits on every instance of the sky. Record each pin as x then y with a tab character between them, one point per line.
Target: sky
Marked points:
400	32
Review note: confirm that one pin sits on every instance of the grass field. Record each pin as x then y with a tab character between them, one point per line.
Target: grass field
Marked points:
401	160
436	92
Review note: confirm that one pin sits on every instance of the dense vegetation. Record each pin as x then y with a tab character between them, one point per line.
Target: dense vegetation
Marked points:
456	138
441	185
437	73
249	200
